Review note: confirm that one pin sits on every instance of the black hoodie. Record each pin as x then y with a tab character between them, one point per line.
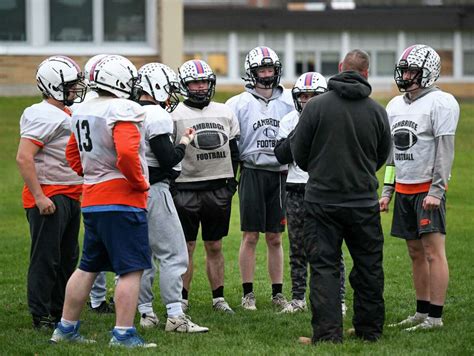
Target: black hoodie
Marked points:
342	139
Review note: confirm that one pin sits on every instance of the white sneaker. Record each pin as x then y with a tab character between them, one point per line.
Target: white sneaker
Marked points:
249	301
279	301
417	318
183	324
295	305
219	304
344	309
427	324
184	305
149	320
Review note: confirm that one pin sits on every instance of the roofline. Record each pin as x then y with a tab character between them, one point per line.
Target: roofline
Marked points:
413	18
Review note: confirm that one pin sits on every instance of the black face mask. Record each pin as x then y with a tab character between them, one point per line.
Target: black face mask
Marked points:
404	84
78	88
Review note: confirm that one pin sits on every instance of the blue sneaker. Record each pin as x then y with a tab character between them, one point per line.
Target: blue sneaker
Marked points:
68	334
129	339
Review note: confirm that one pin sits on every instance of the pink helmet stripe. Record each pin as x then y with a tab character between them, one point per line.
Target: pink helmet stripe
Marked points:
199	66
265	51
308	79
67	59
407	52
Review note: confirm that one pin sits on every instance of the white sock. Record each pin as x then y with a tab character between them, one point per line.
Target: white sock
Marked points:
121	330
174	310
95	303
68	323
145	308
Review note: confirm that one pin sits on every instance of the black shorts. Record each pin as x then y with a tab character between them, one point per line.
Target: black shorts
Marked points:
210	208
262	201
410	220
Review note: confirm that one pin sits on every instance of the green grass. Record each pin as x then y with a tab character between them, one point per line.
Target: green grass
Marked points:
262	332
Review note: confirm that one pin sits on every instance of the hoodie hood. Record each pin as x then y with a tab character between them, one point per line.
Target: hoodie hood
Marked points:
350	85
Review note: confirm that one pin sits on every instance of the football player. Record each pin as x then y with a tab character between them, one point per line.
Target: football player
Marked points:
262	181
159	98
107	148
52	189
207	183
423	121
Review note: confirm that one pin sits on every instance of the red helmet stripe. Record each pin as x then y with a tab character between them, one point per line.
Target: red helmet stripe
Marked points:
308	79
199	67
265	51
407	52
92	71
67	59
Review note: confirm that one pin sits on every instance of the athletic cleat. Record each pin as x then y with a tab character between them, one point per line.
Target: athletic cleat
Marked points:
344	309
184	305
418	318
249	301
183	324
103	308
129	339
279	300
44	322
219	304
295	305
68	334
149	320
428	324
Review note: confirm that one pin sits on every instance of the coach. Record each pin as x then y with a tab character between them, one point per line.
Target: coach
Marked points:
342	139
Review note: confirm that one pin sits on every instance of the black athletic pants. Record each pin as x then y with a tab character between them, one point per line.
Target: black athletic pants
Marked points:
53	256
325	228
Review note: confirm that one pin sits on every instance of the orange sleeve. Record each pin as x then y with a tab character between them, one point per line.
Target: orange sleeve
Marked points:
127	144
73	156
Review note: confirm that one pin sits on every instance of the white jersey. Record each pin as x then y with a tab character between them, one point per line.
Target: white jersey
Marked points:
414	128
208	156
287	124
93	124
157	122
259	125
50	126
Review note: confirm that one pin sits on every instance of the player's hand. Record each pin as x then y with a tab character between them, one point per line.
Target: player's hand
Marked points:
431	203
384	203
45	205
188	136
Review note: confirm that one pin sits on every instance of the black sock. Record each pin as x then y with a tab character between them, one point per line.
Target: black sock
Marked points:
248	288
184	293
422	306
218	292
435	311
276	288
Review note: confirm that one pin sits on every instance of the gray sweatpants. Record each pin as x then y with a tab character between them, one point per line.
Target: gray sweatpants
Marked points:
168	246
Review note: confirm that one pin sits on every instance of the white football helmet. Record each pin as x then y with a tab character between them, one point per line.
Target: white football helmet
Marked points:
88	66
193	71
310	82
60	78
262	57
117	75
421	59
161	82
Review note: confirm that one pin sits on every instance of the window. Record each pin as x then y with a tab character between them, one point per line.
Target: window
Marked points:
446	62
218	63
71	20
13	23
468	60
124	21
385	63
329	63
304	62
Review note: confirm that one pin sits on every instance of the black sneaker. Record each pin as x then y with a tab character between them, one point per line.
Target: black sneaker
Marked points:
43	322
103	308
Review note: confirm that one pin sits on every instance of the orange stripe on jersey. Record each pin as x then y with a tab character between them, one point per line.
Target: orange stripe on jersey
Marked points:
37	143
73	156
71	191
412	188
127	144
112	192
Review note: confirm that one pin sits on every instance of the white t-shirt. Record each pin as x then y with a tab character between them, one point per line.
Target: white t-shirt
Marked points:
208	156
287	124
414	128
50	126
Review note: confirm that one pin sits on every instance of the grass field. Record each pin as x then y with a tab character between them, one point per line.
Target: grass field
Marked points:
264	331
